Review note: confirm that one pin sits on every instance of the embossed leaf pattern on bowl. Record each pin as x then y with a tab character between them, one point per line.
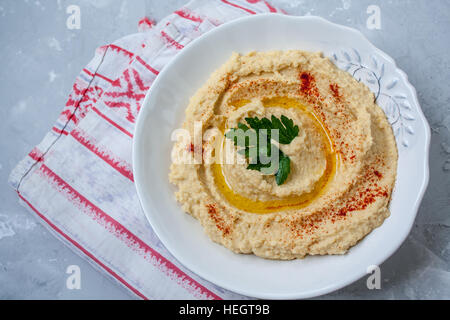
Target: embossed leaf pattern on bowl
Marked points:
388	94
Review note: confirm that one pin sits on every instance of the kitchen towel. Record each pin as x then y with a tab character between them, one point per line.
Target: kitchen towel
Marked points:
78	181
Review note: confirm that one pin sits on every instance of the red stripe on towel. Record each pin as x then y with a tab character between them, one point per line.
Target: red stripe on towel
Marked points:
271	9
60	131
119	49
131	240
120	165
113	82
76	244
186	14
171	41
156	72
36	155
238	6
112	122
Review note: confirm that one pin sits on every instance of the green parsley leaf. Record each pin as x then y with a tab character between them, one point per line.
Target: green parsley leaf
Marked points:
284	169
287	132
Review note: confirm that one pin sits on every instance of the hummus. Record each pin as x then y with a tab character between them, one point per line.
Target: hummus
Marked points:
343	161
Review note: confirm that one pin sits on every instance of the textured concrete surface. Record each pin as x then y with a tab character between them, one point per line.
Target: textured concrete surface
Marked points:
40	57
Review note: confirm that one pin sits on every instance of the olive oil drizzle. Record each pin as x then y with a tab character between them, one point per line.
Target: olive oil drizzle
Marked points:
288	203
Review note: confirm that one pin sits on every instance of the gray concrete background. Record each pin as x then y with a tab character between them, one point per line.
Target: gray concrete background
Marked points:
40	58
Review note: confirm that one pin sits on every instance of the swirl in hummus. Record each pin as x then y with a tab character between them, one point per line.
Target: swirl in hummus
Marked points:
343	161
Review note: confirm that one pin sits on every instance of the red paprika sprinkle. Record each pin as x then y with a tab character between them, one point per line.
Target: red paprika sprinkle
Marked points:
218	220
335	89
307	82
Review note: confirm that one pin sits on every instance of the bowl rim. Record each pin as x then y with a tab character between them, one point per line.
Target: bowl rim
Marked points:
146	109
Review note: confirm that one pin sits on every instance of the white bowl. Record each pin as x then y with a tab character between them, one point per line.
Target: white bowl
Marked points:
163	111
